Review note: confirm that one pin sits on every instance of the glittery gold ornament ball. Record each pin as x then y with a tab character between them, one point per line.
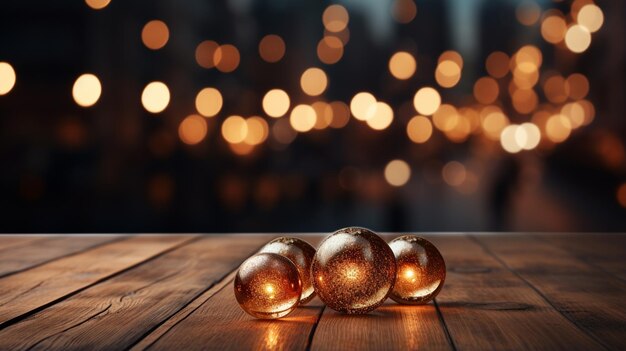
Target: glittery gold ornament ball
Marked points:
268	286
421	270
301	254
353	270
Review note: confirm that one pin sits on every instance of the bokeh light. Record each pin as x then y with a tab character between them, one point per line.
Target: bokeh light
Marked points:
302	118
553	29
272	48
454	173
419	129
209	102
361	104
205	52
86	90
313	81
426	101
528	12
577	38
235	129
497	64
379	117
335	18
486	90
403	11
397	173
155	34
97	4
402	65
155	97
341	114
558	128
577	86
257	130
330	49
591	17
448	73
276	103
192	129
226	58
7	78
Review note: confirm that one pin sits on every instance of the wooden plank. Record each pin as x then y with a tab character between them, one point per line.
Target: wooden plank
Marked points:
30	290
487	307
11	240
590	298
139	299
38	250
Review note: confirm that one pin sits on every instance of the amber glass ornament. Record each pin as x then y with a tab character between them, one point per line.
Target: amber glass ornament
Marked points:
301	254
268	286
421	270
353	270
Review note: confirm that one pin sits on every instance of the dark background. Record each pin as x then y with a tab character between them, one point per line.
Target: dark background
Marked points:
114	167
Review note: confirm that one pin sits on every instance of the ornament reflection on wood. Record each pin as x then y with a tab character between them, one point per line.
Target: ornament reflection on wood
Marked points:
301	254
421	270
268	286
353	270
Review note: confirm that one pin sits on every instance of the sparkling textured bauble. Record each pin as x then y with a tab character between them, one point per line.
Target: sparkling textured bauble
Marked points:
421	270
299	252
268	286
353	270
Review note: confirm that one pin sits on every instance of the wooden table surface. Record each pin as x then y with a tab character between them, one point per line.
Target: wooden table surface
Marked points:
507	291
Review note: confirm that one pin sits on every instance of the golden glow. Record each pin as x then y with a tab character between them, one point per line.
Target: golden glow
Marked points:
155	97
528	136
192	129
507	139
241	149
341	114
313	81
446	117
621	195
324	114
528	58
403	11
86	90
302	118
493	123
402	65
97	4
591	17
590	111
276	103
497	64
528	12
453	56
272	48
397	173
7	78
575	112
380	117
419	129
555	89
360	104
577	86
577	38
486	90
426	101
257	131
155	34
209	102
558	128
448	74
344	35
234	129
553	29
524	100
335	18
330	49
226	58
205	52
454	173
282	131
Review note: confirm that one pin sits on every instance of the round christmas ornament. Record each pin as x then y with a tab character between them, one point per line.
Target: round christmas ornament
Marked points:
268	286
421	270
301	254
353	270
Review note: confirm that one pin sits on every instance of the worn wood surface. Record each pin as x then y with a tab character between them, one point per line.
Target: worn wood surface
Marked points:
510	291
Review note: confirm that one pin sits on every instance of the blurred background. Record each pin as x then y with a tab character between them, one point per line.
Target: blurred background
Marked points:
277	115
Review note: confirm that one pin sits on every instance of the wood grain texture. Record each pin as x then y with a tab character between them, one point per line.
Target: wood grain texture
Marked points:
7	240
38	250
117	313
592	299
29	290
487	307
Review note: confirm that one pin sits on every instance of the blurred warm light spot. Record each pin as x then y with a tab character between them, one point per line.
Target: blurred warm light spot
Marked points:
380	117
341	114
272	48
344	35
621	195
577	38
324	113
528	136
486	90
276	103
458	128
528	58
446	117
209	102
555	90
330	49
524	100
402	65
155	34
7	78
226	58
454	173
397	172
448	73
419	129
558	128
282	131
235	129
497	64
155	97
97	4
591	17
86	90
577	86
313	81
590	111
507	139
257	132
426	101
205	52
525	80
335	18
241	149
453	56
528	12
192	129
577	5
302	118
575	112
472	116
403	11
360	104
493	124
553	29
